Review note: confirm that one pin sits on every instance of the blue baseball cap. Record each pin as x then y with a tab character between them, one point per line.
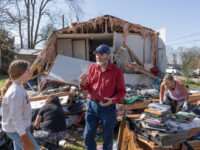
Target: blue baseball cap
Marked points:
102	49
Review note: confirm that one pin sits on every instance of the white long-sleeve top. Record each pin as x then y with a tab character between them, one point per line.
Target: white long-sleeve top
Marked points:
16	110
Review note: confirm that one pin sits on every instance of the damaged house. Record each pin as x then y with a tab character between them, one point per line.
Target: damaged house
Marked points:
69	51
27	54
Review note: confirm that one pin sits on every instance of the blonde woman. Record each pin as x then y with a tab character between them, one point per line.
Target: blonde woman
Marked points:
177	94
16	109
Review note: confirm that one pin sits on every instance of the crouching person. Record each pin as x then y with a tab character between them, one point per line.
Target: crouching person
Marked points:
51	119
177	94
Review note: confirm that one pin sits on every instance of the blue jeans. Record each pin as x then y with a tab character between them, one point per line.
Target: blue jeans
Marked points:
107	116
16	140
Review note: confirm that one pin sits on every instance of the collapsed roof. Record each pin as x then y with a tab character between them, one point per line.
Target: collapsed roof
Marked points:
104	24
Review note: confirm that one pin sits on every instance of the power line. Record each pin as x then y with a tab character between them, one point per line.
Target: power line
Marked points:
185	42
183	37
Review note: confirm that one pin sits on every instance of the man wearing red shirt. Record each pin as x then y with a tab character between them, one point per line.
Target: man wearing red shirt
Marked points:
105	85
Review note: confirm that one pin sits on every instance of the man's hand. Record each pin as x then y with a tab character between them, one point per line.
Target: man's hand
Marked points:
109	102
83	79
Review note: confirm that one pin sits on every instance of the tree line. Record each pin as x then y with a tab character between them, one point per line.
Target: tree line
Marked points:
32	22
188	58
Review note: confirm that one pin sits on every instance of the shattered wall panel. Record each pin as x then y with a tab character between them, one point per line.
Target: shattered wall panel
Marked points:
136	43
67	69
64	47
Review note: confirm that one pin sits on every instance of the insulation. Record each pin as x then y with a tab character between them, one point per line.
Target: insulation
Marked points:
101	25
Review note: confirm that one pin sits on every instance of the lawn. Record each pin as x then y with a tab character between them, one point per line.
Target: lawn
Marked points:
192	84
69	145
73	132
79	143
3	79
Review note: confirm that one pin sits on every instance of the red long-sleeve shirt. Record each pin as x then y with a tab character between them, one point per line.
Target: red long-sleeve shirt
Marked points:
108	83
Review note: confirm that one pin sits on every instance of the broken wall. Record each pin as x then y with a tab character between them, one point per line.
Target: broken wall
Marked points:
162	58
140	46
67	69
78	48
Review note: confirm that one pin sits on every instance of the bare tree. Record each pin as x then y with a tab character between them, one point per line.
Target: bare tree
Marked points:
4	6
190	59
75	9
45	32
29	17
174	59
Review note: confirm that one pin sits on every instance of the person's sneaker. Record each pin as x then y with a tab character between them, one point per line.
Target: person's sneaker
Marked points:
43	148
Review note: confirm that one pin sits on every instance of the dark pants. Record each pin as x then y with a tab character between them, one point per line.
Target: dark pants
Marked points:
107	116
49	140
173	103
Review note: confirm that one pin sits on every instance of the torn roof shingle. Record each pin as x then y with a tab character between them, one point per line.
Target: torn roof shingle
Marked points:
29	52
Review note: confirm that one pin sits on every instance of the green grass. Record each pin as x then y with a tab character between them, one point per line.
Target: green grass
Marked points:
192	84
3	79
79	144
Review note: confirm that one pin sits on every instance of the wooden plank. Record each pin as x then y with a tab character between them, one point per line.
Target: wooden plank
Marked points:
193	132
194	98
45	96
140	69
116	55
135	116
86	36
194	144
133	54
135	105
62	83
120	134
41	58
37	75
127	139
150	144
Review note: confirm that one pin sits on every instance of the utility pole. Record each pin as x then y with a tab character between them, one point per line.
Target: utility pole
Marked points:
63	21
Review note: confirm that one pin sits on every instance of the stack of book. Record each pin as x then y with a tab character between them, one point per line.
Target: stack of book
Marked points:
184	117
155	116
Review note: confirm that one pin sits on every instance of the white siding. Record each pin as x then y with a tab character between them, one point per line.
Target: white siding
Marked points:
162	60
